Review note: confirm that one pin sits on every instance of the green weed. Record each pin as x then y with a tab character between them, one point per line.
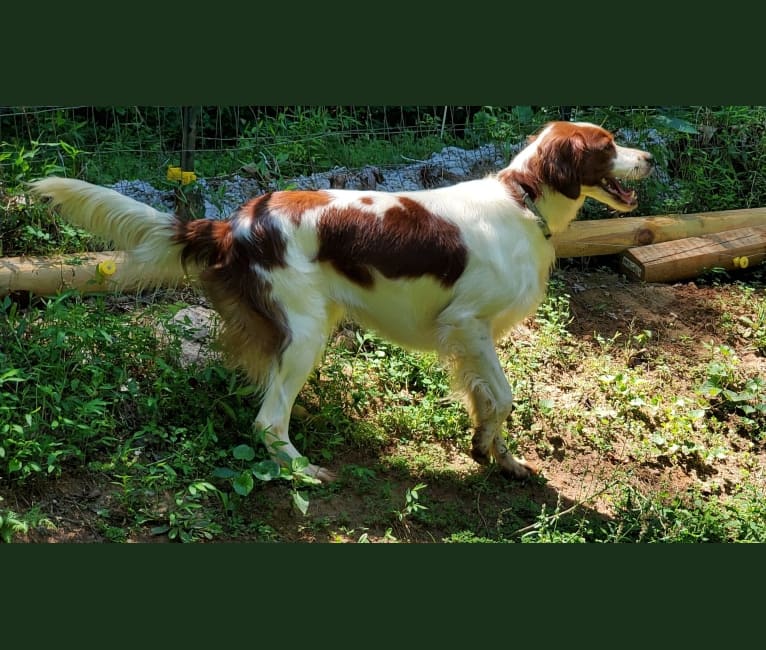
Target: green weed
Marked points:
13	524
689	518
730	392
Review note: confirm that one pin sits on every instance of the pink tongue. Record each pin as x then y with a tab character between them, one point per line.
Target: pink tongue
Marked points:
626	196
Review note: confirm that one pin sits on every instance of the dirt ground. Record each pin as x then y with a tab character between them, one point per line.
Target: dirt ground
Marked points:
681	316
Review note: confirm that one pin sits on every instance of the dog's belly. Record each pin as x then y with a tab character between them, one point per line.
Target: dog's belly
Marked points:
401	330
402	311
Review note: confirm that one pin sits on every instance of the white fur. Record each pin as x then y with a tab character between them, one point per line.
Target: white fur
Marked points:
135	227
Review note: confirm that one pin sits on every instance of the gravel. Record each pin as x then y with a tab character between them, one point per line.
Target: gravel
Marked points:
222	196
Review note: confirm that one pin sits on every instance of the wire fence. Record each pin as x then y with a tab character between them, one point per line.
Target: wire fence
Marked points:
710	157
309	139
154	132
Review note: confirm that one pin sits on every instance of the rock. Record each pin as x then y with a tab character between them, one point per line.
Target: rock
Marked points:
195	322
223	196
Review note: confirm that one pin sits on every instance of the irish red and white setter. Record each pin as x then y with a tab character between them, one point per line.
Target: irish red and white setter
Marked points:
449	269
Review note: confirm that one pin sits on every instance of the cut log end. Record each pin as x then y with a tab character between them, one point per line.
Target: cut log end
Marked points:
690	257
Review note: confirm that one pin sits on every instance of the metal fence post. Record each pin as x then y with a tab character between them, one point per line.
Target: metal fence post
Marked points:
189	201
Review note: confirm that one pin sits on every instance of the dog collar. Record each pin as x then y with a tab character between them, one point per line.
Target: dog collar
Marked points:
540	218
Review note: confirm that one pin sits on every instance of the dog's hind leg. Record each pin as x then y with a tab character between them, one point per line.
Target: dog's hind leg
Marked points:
470	349
298	360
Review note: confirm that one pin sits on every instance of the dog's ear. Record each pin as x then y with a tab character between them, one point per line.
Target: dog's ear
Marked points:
562	164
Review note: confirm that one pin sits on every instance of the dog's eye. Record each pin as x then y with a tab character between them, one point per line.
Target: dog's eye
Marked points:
601	144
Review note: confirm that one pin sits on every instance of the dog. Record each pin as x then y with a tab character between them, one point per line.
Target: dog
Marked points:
449	269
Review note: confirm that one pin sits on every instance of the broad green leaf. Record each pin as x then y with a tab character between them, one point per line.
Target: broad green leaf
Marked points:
243	452
546	404
224	472
203	486
710	390
229	411
300	502
243	484
266	470
523	113
299	464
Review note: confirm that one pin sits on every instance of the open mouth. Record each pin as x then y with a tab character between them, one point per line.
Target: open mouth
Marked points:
613	187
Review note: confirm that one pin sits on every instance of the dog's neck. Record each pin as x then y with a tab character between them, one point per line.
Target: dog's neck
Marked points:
552	210
557	210
541	221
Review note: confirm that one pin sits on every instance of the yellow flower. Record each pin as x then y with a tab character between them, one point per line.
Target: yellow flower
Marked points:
174	174
107	267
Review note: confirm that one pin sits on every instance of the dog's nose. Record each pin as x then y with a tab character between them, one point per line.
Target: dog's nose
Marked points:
648	160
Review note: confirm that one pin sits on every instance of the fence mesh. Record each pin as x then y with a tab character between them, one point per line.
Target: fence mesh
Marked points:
710	157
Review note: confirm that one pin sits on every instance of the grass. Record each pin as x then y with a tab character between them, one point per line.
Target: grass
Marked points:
645	434
89	389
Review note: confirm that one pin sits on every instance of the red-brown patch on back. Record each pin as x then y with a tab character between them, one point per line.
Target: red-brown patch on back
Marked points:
293	203
211	242
367	200
407	241
206	241
266	244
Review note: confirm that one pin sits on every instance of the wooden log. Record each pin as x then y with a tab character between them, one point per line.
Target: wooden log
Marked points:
689	257
46	276
613	236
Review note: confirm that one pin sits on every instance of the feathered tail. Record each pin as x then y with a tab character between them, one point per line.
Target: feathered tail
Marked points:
148	237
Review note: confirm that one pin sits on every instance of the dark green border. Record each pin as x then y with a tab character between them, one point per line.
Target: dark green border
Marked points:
380	595
272	53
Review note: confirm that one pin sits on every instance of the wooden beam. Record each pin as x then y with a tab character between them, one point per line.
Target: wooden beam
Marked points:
46	276
613	236
689	257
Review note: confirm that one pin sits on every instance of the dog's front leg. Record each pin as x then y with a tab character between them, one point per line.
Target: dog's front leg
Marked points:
480	379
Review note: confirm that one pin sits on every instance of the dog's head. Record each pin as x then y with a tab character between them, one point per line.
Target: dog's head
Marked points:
578	159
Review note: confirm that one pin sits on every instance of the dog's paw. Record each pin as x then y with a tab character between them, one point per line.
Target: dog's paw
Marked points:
517	469
321	474
510	466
